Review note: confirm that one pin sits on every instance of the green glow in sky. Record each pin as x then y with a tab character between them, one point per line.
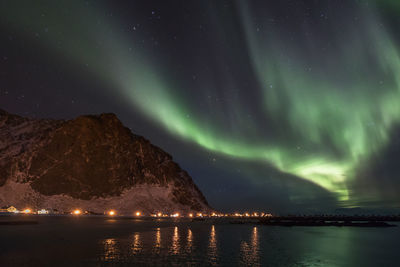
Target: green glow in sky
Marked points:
340	112
337	107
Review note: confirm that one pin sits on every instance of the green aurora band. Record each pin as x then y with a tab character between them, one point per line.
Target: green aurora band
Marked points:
339	115
344	106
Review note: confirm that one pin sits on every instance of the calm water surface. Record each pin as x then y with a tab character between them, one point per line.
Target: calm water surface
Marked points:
97	241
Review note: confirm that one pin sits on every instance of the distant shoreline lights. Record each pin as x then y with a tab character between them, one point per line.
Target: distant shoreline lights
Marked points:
159	214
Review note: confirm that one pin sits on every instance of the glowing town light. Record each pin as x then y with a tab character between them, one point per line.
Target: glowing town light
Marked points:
246	214
190	214
175	215
27	211
213	214
77	212
199	215
111	213
159	214
138	213
43	211
255	214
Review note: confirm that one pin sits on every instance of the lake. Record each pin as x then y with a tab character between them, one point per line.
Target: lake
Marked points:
102	241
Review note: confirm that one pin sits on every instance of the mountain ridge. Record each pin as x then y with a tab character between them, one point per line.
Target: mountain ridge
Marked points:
89	159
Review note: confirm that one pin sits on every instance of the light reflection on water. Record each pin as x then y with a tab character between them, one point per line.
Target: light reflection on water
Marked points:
136	246
234	245
96	242
212	247
110	249
157	242
249	251
175	246
256	248
189	241
178	243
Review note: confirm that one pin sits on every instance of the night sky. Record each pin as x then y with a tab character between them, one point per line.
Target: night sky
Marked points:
275	105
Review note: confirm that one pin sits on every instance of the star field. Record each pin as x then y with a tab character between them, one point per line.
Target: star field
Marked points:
285	104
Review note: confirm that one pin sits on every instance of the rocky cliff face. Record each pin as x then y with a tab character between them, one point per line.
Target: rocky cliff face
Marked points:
91	162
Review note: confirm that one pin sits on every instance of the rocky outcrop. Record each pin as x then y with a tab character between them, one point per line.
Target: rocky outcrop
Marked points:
88	160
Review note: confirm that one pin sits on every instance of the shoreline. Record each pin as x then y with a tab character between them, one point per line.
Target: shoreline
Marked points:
286	221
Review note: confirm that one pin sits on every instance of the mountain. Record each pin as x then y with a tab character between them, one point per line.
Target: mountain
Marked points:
93	163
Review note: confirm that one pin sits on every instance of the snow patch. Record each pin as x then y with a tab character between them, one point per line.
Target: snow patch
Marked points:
144	198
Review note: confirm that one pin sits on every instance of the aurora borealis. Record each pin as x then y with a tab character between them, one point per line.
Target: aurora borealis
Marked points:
300	97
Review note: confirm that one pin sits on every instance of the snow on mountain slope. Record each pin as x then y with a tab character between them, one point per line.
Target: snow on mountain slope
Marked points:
91	162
